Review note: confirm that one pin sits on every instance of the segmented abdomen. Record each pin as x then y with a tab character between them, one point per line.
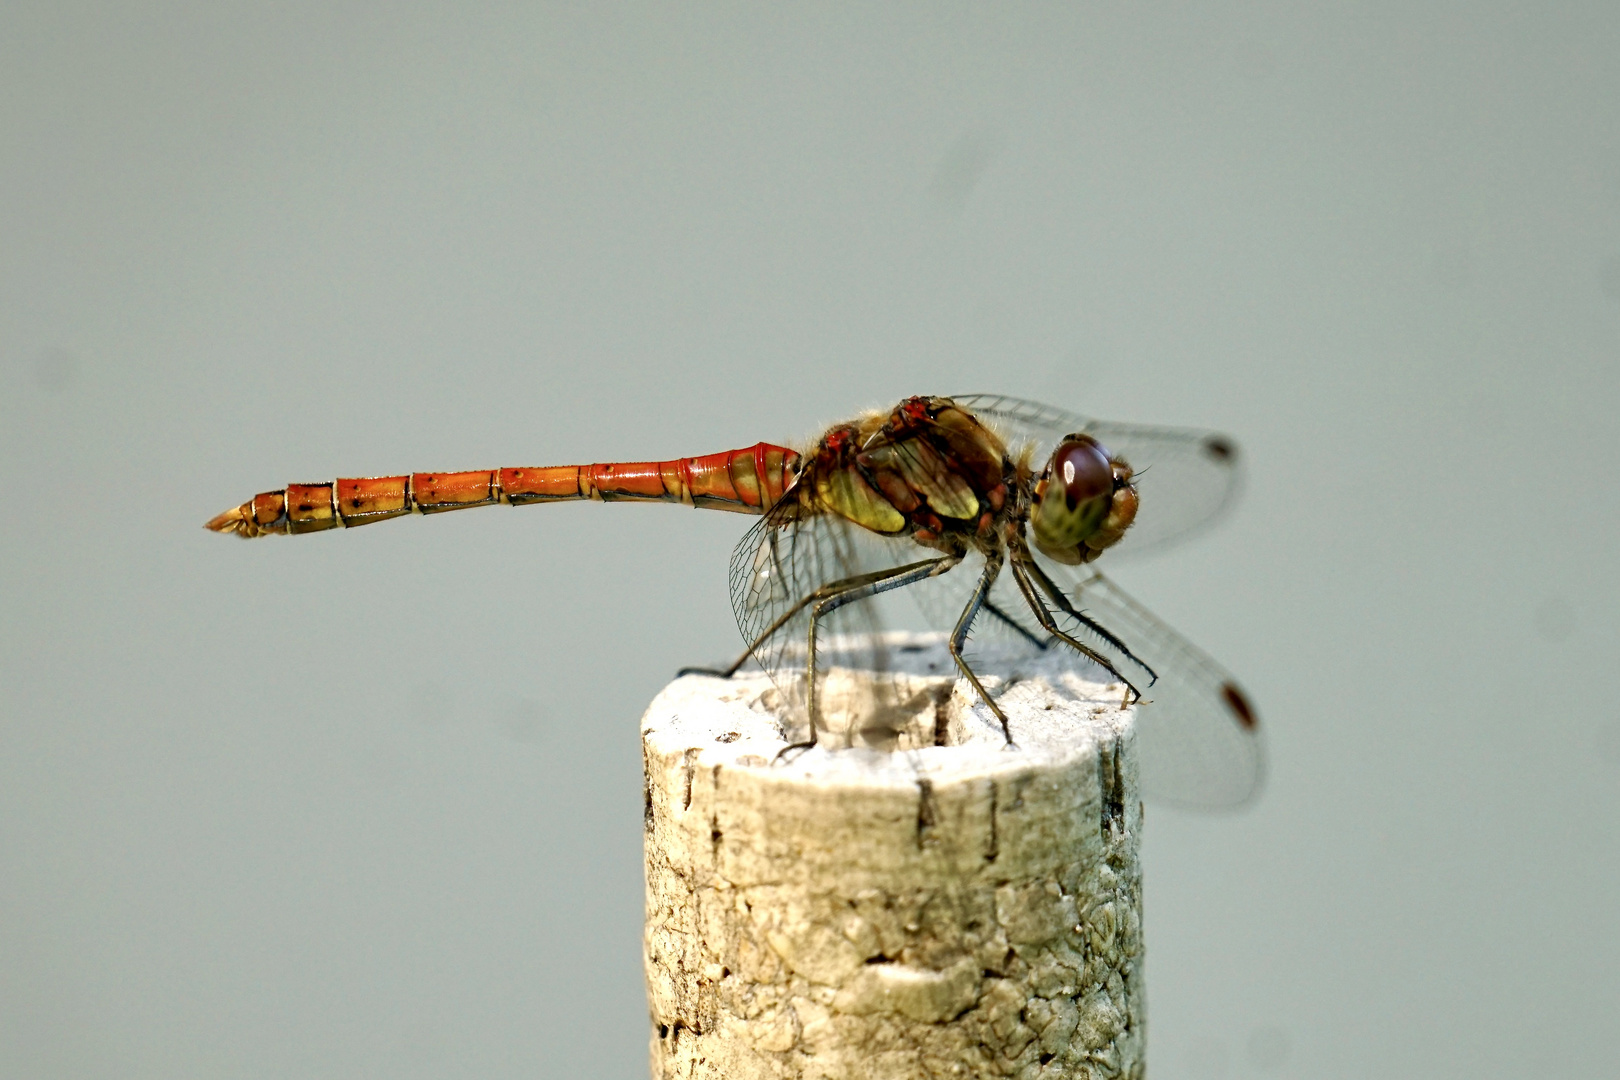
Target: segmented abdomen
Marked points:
746	481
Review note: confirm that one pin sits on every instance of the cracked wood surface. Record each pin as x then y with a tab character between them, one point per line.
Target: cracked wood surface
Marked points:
895	907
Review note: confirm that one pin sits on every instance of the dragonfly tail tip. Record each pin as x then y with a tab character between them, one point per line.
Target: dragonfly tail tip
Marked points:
238	520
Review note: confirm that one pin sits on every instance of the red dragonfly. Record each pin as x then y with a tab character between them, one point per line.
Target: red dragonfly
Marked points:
1029	496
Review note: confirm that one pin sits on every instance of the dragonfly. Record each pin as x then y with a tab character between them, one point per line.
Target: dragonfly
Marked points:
996	506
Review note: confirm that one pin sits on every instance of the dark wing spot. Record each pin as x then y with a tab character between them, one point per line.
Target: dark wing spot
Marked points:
1219	449
1240	706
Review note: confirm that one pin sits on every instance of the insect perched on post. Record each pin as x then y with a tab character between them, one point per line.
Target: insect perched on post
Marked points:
1030	496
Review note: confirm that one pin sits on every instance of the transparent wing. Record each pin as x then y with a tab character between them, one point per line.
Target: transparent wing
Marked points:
783	560
1198	735
1187	476
785	557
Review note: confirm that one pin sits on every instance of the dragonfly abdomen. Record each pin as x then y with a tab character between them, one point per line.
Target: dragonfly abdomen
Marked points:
745	481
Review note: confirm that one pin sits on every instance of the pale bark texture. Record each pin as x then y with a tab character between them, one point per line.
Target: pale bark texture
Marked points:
897	908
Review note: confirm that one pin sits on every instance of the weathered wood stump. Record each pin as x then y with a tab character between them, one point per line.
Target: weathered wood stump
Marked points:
915	901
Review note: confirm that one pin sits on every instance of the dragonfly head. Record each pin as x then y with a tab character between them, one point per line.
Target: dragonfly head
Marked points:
1084	501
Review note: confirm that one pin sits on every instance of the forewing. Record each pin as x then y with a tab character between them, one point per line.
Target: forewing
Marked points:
1198	735
1187	477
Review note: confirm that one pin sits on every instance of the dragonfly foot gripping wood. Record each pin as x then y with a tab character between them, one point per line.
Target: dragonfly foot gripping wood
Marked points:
899	909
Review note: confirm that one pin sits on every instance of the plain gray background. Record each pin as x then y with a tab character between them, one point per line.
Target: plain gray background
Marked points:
368	804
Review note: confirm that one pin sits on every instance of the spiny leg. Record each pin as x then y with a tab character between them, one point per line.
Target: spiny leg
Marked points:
832	588
1017	627
1049	624
992	567
1051	588
853	589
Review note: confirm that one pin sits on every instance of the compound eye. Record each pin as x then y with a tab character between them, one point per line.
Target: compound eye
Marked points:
1081	465
1073	498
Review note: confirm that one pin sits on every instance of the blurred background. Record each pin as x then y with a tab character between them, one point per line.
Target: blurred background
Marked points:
368	804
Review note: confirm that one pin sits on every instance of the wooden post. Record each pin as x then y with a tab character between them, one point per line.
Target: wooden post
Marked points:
899	908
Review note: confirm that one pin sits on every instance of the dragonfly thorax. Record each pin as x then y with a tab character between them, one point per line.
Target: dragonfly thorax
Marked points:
927	470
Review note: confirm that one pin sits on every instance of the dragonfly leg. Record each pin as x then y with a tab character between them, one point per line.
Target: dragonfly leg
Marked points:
1049	624
1051	588
831	589
718	673
1017	627
831	597
992	567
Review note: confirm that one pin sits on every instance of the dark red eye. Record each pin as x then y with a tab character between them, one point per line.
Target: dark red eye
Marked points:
1081	465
